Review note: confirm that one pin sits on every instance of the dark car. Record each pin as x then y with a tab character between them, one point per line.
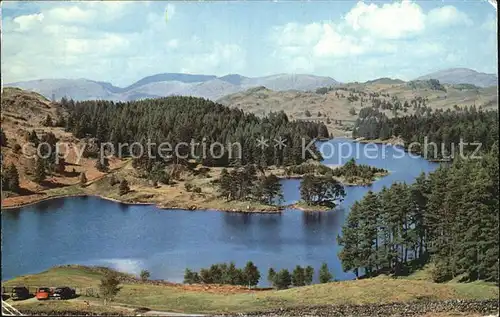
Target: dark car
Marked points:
63	292
20	293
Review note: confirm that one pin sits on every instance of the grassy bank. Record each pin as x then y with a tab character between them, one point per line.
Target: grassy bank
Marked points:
202	299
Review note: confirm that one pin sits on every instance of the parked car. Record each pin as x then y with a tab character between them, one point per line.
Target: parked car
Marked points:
20	293
63	292
43	293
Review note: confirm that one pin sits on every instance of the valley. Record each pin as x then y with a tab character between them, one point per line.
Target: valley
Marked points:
250	158
132	187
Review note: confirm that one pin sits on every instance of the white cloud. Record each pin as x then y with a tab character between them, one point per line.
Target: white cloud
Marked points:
387	33
219	59
323	40
170	11
28	22
490	24
117	41
72	14
448	16
332	43
173	43
391	21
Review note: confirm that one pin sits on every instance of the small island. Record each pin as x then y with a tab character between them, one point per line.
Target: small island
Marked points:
349	174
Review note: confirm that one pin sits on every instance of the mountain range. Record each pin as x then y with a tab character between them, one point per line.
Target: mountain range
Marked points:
213	87
463	76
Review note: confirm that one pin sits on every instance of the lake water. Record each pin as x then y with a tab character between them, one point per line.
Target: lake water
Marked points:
92	231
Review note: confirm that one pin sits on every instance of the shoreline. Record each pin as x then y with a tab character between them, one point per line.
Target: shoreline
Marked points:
276	209
390	141
37	201
272	209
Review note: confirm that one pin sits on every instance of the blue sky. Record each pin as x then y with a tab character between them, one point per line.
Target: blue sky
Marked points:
121	42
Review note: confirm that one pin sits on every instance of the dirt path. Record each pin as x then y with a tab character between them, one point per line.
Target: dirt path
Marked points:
146	313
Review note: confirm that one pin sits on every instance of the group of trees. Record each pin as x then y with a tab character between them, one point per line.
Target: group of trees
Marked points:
223	273
49	160
244	184
352	171
432	84
449	217
444	128
321	190
300	276
42	165
183	119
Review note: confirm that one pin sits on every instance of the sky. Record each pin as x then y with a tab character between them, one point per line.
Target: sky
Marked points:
121	42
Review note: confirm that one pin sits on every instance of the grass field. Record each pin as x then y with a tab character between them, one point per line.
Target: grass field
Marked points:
177	298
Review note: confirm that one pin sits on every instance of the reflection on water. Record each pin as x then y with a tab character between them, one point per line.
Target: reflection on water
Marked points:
132	237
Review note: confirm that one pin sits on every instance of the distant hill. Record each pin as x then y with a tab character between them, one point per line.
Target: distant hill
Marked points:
78	89
177	77
462	76
385	81
336	103
167	84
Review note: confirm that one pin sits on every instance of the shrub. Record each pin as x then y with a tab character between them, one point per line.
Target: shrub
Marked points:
83	179
145	275
16	148
124	188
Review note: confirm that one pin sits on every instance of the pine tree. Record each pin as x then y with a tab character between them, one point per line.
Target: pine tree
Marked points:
350	240
324	274
271	189
252	274
13	178
102	164
321	190
271	275
225	184
308	275
298	276
10	178
39	174
3	138
48	121
369	247
282	279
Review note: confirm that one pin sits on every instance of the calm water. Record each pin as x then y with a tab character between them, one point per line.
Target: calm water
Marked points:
165	242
